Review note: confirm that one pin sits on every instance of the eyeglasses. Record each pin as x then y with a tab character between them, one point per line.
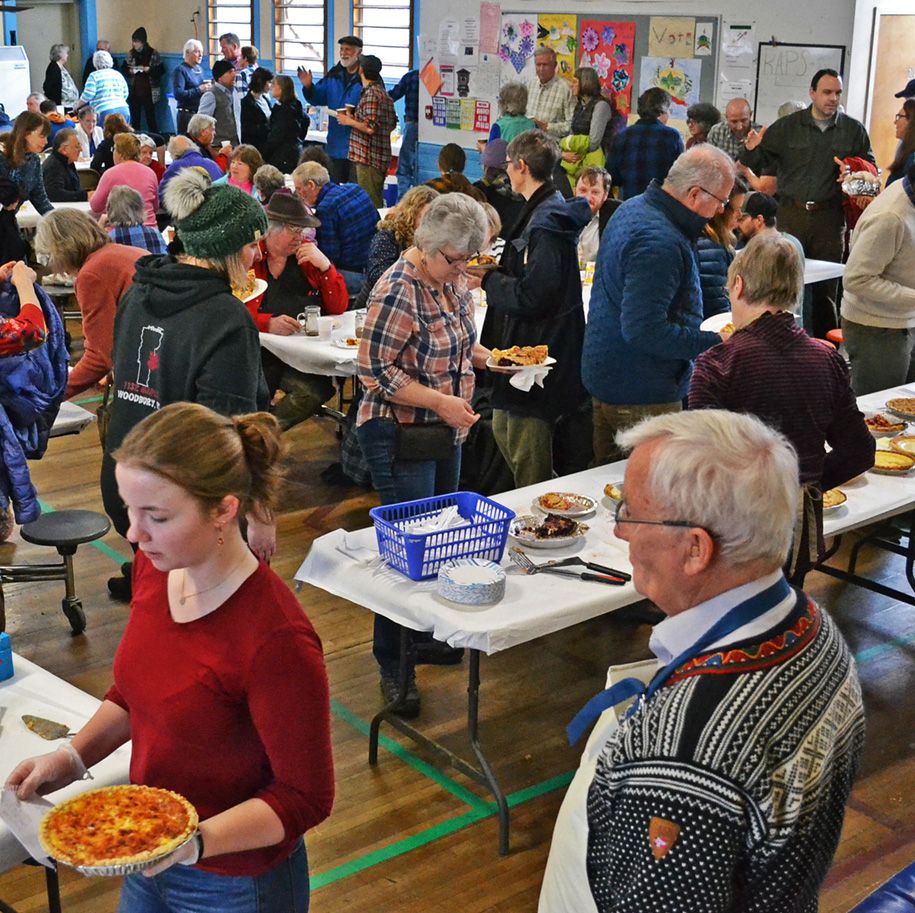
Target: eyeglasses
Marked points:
722	203
901	116
622	516
462	259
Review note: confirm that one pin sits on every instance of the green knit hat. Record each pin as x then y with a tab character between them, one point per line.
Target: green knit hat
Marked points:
213	221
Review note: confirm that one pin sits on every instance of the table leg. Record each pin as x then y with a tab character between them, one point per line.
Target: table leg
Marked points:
53	888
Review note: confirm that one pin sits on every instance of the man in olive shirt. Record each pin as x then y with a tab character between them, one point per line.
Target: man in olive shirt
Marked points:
800	150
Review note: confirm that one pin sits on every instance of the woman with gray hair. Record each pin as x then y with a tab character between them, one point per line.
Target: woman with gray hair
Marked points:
513	117
189	82
58	83
416	363
771	368
74	243
106	89
268	179
123	220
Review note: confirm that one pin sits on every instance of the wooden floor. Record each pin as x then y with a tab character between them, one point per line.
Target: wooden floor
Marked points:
409	838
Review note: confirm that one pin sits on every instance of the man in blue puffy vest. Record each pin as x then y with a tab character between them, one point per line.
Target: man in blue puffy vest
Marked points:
340	87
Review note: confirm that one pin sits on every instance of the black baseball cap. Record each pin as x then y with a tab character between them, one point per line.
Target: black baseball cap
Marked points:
220	68
908	91
351	40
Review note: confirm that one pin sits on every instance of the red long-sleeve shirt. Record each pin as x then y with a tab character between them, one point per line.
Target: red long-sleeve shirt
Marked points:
24	332
229	707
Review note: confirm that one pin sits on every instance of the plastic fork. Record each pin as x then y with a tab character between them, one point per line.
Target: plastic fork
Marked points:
528	566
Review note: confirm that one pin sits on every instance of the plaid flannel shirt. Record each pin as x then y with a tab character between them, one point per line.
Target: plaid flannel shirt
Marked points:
721	136
376	109
641	153
408	90
349	220
552	103
413	333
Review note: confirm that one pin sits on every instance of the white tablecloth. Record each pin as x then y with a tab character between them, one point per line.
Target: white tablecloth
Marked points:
820	270
35	691
320	136
27	216
533	605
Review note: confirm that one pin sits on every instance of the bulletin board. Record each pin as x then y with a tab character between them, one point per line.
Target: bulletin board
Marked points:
784	72
468	59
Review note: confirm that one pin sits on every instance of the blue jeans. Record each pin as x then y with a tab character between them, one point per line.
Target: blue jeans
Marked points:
406	161
401	480
353	280
185	889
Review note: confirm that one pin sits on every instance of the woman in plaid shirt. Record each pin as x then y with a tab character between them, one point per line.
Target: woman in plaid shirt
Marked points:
416	362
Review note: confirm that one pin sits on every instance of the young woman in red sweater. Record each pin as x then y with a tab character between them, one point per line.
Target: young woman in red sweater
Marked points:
219	680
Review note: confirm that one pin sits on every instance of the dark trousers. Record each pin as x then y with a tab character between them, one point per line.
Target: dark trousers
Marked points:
341	171
823	235
146	105
111	498
401	480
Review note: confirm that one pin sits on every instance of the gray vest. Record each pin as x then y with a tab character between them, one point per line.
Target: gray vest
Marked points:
226	128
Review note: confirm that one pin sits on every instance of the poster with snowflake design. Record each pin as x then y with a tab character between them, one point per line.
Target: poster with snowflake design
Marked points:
516	47
608	47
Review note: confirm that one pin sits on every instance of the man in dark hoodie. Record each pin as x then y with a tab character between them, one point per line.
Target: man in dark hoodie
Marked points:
180	334
534	298
646	303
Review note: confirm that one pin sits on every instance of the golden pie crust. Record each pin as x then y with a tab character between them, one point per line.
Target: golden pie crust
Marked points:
833	498
891	461
904	406
520	355
243	291
117	825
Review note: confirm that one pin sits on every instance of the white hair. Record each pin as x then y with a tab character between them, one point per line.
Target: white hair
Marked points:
102	60
704	166
198	123
180	145
728	473
310	171
192	44
455	219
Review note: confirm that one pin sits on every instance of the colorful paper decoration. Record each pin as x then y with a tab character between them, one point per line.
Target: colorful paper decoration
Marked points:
608	47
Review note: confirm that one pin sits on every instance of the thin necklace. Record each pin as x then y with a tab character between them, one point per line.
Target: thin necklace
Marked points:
182	598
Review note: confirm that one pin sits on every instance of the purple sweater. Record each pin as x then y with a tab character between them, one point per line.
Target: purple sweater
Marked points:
774	370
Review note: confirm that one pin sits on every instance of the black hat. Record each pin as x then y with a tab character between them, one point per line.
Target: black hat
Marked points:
352	40
908	91
287	207
371	66
760	204
139	35
220	68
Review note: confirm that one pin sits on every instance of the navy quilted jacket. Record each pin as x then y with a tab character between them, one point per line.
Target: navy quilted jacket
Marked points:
31	390
714	259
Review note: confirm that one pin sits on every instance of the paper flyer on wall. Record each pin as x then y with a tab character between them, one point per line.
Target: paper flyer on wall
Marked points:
703	41
453	113
431	78
608	47
482	117
490	27
448	41
516	46
680	78
448	89
438	111
671	36
738	47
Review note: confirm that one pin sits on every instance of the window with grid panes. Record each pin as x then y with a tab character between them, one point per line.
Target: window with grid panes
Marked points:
386	30
300	35
229	16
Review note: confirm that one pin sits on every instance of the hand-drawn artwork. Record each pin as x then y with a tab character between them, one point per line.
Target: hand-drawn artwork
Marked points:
516	46
671	36
678	77
559	32
608	48
704	32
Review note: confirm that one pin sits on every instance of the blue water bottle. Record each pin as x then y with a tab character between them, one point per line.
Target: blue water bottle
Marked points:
6	657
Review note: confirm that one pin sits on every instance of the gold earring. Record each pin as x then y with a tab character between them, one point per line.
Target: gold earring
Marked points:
220	540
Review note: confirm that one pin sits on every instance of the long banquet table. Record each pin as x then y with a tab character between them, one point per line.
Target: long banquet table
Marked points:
346	564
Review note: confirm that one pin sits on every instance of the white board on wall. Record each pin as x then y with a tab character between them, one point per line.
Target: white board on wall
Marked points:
784	73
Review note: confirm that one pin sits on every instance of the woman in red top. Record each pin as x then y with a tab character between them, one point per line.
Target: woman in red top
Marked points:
28	329
219	680
297	274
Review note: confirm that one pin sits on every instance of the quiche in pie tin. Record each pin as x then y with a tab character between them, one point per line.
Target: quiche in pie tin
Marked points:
118	830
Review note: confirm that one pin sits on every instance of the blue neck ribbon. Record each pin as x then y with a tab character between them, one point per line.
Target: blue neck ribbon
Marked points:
736	618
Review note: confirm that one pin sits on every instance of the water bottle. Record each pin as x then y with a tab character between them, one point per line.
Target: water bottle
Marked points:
6	657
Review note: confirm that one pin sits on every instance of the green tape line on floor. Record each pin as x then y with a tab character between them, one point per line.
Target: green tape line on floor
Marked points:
103	547
427	770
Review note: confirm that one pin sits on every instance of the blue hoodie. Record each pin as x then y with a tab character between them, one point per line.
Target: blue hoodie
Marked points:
646	304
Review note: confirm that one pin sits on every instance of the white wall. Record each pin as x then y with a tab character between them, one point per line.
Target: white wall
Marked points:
40	27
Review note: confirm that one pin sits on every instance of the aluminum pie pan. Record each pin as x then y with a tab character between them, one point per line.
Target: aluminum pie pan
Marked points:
126	868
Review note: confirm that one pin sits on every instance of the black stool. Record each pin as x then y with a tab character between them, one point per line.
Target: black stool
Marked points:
63	530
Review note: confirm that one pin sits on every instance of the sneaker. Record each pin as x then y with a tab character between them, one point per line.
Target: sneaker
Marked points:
436	653
120	588
390	688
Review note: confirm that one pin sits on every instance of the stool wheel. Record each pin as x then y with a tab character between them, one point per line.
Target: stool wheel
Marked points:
65	529
73	610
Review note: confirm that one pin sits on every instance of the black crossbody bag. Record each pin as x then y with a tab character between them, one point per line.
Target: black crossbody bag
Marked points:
429	440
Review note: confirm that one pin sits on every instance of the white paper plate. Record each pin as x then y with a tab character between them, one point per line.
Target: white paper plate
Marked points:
342	344
519	531
260	286
582	505
514	369
714	323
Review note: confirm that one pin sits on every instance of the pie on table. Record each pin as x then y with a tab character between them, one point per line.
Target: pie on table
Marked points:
520	355
892	461
117	826
903	406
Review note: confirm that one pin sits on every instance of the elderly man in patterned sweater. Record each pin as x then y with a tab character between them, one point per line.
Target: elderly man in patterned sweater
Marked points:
722	787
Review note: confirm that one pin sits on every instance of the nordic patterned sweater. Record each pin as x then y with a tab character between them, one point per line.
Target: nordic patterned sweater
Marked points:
750	752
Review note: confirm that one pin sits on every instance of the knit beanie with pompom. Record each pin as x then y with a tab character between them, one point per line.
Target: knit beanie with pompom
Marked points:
212	221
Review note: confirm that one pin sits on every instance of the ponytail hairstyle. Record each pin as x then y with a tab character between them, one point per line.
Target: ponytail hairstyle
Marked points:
210	455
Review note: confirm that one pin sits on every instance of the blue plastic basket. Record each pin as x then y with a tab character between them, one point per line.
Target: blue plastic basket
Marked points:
420	555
